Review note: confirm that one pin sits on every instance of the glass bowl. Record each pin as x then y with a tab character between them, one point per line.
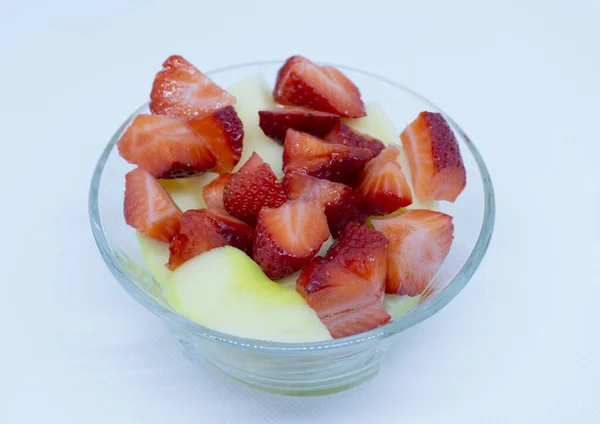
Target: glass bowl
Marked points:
303	369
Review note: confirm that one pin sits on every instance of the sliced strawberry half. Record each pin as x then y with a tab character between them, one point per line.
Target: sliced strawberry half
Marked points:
288	237
148	207
346	303
165	147
250	189
223	132
213	191
198	234
341	203
436	165
275	122
420	240
364	251
382	186
182	91
301	82
307	154
344	134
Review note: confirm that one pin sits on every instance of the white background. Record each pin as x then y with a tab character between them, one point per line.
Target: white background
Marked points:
520	344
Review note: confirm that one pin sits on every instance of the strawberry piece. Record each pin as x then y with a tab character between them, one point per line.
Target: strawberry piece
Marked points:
310	155
419	240
198	234
344	134
250	189
288	237
382	186
223	132
364	251
301	82
165	147
275	122
340	202
148	207
346	303
182	91
437	168
213	191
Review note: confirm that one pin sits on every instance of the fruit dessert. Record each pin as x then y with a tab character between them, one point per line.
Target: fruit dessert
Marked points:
293	214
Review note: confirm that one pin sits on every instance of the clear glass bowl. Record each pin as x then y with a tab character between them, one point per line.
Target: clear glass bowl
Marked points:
306	369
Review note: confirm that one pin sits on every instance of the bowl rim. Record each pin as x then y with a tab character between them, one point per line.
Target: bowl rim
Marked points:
425	311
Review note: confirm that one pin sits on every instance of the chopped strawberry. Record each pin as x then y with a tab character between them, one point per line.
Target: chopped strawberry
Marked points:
310	155
223	132
250	189
275	122
213	191
182	91
148	207
198	234
419	239
436	166
301	82
343	134
165	147
340	201
346	303
288	237
237	233
364	251
382	186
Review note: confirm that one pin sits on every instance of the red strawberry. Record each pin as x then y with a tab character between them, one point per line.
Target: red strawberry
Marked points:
165	147
436	166
148	207
288	237
223	132
419	239
213	191
363	251
250	189
304	83
275	122
198	234
310	155
382	186
346	303
340	201
182	91
343	134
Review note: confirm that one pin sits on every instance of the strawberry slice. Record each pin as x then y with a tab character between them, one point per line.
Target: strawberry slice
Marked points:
301	82
182	91
310	155
250	189
419	239
344	134
165	147
437	168
363	251
288	237
275	122
340	202
213	191
346	303
198	234
148	207
382	186
223	132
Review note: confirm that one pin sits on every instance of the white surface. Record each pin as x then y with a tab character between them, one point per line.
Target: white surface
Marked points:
520	344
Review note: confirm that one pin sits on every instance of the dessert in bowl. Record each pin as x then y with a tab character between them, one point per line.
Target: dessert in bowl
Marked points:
289	217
